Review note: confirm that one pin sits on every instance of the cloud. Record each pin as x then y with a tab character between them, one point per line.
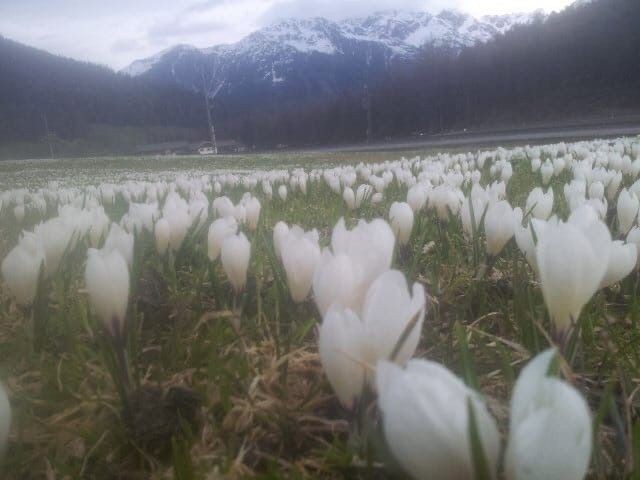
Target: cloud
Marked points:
341	9
182	28
126	45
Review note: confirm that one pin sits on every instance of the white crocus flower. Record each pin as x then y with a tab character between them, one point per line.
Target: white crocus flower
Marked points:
425	410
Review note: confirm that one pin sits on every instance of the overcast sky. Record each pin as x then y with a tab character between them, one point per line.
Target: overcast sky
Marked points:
116	32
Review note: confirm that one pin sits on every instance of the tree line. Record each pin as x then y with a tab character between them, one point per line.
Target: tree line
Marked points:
580	62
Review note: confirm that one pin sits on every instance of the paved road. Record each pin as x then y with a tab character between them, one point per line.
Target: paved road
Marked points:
477	139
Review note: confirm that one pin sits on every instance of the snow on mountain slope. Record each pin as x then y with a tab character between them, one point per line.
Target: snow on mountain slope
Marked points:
401	33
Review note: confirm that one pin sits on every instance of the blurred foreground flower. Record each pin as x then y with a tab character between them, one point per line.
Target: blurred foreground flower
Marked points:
21	268
550	427
426	421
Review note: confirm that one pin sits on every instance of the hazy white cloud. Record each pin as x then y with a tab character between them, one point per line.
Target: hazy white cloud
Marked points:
119	31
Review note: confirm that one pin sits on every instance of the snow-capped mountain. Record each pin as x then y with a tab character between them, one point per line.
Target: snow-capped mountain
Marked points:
307	56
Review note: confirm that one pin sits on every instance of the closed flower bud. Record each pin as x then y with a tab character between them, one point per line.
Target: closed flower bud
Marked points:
300	256
349	198
121	241
540	204
235	255
622	261
546	171
222	207
417	197
280	231
282	192
425	410
499	226
550	427
627	209
401	219
107	282
21	268
219	230
55	237
253	213
572	260
99	226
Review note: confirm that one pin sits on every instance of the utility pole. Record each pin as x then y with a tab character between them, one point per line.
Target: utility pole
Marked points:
366	98
47	136
210	90
366	102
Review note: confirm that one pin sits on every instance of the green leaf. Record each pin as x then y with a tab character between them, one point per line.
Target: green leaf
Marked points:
468	369
481	468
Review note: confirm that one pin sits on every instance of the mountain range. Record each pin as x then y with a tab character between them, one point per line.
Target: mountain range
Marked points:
307	57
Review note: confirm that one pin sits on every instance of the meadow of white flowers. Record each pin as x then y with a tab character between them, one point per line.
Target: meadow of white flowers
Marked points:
355	264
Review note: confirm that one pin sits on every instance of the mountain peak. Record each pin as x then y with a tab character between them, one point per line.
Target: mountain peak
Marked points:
399	32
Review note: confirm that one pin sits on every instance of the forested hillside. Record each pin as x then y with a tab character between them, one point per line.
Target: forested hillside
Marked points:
75	95
584	61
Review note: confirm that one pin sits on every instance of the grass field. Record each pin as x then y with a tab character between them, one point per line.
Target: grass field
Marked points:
229	384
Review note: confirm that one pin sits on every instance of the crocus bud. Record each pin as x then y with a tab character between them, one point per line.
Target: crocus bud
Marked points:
351	345
479	205
499	226
627	209
376	198
99	226
179	223
253	213
280	231
162	232
401	219
417	197
550	426
21	268
349	198
219	230
572	259
223	207
596	190
540	204
5	418
535	164
300	256
55	237
282	192
546	171
121	241
235	255
622	261
107	282
414	402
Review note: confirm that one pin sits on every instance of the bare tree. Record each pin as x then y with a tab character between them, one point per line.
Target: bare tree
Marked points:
212	84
